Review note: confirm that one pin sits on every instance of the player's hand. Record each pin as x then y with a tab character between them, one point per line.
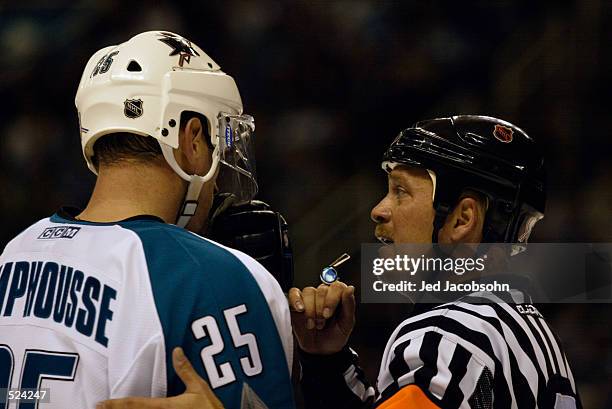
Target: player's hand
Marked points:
198	394
323	317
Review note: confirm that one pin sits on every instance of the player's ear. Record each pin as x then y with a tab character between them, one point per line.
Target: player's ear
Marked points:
464	223
192	145
193	136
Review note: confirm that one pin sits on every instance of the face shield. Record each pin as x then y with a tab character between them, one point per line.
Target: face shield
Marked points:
236	157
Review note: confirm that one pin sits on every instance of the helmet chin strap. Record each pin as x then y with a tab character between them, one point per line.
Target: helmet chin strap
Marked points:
439	219
190	202
440	216
196	182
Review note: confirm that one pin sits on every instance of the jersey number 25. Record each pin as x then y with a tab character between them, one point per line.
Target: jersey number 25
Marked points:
208	327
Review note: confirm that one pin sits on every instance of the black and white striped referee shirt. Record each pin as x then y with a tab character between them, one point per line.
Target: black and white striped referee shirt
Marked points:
483	351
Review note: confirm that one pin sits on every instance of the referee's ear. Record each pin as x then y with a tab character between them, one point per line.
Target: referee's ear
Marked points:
464	224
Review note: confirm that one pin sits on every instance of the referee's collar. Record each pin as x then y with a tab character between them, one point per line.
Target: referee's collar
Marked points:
521	288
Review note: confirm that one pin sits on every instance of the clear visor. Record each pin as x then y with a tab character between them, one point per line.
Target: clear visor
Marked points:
237	159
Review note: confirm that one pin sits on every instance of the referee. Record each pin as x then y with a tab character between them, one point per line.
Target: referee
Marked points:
465	179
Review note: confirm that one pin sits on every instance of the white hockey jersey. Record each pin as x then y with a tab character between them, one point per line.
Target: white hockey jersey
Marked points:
92	311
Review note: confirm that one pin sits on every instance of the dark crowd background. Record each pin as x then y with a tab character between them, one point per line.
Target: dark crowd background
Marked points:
330	84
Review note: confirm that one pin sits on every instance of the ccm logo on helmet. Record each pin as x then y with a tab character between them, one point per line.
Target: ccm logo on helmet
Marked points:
503	133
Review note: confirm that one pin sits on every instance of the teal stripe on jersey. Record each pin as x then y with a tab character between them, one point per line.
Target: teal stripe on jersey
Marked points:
192	279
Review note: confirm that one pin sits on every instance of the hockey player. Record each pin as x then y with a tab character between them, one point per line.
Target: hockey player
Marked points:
93	301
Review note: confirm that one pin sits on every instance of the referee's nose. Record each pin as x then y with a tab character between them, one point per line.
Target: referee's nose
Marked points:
381	213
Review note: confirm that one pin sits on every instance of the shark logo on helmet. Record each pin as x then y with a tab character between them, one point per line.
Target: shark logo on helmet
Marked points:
180	46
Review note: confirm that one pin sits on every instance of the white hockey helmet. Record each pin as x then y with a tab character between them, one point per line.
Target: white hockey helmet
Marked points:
143	85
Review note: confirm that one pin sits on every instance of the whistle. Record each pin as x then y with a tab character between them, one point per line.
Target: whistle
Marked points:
329	274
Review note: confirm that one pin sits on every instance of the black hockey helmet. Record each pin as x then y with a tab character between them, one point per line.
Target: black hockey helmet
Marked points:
257	230
488	155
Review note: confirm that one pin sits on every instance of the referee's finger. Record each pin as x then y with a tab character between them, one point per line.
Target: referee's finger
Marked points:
332	299
347	317
320	304
296	303
309	299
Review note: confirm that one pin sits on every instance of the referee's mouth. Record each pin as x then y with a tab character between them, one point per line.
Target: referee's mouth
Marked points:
382	236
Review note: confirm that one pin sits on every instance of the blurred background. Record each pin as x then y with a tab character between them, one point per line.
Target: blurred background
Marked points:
330	84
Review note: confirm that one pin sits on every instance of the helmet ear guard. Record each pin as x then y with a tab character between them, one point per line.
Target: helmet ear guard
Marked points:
216	93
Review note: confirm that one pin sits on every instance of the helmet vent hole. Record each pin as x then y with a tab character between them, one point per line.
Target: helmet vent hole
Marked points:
210	65
133	66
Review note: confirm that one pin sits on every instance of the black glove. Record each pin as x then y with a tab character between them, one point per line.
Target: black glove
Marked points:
257	230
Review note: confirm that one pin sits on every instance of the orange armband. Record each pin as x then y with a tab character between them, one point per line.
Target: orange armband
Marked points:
409	397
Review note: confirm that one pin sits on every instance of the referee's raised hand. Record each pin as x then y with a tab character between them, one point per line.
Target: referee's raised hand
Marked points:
323	317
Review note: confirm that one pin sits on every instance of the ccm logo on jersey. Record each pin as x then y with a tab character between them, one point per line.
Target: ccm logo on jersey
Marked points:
61	232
